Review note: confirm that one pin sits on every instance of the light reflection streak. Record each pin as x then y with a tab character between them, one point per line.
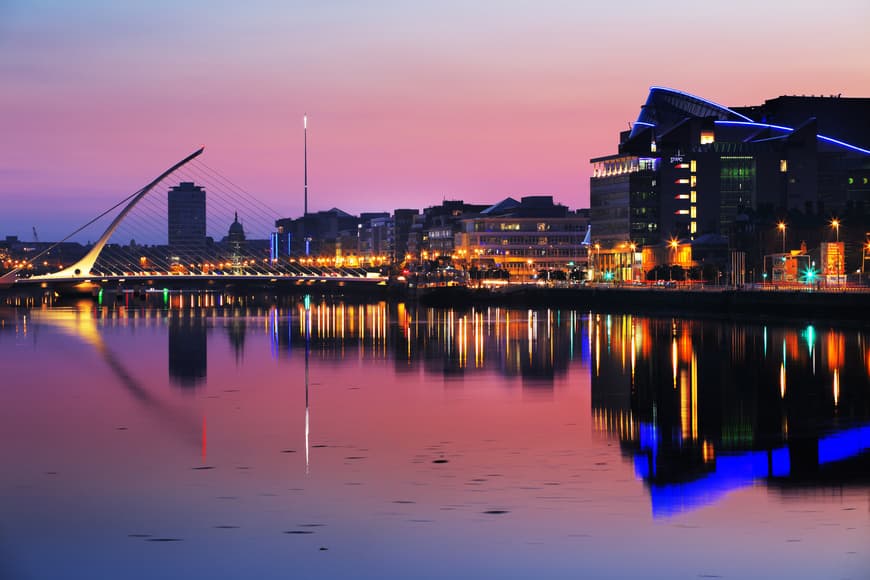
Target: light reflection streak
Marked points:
782	380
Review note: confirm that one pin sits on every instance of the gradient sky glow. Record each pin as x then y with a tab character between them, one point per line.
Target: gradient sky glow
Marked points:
408	102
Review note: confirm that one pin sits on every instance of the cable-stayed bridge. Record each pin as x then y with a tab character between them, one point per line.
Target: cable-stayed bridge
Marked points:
190	226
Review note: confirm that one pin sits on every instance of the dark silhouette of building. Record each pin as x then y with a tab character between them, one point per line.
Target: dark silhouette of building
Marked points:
236	240
186	202
403	220
188	350
236	331
316	233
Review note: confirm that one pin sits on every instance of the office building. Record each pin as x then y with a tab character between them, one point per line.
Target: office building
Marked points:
186	204
690	167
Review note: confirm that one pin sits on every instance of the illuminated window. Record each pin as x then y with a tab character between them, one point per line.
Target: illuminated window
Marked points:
652	147
682	212
694	166
694	212
694	181
681	166
681	181
783	165
693	227
543	227
693	197
681	196
707	137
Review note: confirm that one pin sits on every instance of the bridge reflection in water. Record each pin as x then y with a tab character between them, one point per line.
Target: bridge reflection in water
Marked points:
700	408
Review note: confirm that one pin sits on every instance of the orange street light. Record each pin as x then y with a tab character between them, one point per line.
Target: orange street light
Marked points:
781	227
835	223
673	244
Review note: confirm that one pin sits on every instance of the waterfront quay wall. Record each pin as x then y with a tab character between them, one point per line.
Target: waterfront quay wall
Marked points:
762	305
851	305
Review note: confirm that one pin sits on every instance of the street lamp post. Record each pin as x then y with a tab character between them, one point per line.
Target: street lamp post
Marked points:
597	260
632	246
781	227
673	244
835	223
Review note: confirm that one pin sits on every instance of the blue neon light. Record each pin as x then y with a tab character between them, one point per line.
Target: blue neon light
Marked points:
645	123
274	340
703	100
751	123
641	466
844	144
733	472
843	445
825	138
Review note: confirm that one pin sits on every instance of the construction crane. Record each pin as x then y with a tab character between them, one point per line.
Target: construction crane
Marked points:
35	235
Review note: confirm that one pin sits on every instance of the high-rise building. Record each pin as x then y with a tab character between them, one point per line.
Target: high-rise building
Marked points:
186	202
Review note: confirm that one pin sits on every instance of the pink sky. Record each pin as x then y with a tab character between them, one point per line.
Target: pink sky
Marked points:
408	103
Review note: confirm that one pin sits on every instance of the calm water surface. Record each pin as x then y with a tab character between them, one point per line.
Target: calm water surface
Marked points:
315	440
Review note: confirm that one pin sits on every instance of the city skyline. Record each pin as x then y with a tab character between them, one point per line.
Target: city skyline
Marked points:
413	104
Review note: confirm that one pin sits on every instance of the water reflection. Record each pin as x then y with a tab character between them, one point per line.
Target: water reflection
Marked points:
699	408
188	349
533	345
707	408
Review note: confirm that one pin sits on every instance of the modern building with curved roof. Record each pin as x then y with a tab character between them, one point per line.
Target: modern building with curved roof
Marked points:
690	166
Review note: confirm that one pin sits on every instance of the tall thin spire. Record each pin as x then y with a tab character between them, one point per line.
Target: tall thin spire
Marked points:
305	159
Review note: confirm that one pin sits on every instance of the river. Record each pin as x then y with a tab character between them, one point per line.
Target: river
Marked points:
224	437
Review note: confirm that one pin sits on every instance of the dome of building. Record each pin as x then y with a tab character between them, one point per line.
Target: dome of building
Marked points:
237	232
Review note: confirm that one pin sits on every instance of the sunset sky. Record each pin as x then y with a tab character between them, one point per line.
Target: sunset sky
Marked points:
409	103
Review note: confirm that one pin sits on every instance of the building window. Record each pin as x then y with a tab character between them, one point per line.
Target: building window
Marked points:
783	165
693	166
693	227
693	182
693	212
543	227
693	197
707	137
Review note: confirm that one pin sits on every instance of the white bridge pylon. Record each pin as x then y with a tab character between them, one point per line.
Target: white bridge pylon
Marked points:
83	267
245	252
